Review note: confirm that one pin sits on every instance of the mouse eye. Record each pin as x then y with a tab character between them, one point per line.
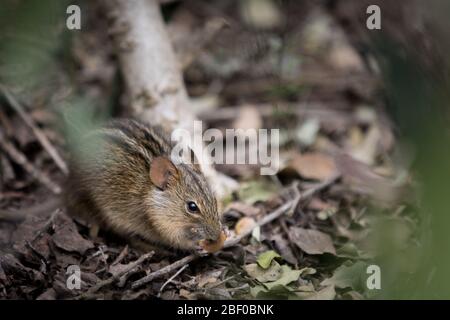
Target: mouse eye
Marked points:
192	207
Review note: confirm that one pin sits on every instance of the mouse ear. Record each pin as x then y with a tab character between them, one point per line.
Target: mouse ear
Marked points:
162	170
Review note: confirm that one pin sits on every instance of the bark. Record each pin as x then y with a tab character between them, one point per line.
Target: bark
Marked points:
155	88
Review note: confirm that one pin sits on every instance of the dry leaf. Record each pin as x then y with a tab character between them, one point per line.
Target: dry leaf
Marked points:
244	225
249	118
67	237
314	166
343	57
312	241
364	180
262	14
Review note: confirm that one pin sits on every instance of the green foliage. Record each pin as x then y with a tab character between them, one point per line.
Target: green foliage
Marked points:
30	34
265	259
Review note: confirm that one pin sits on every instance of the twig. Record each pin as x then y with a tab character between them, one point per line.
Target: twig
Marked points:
215	285
165	270
19	215
46	225
92	290
121	256
20	159
243	287
11	216
268	218
41	137
171	278
235	240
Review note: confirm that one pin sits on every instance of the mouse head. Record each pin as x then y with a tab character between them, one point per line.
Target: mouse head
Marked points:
184	208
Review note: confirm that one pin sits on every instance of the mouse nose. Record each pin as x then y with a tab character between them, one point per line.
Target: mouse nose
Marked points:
213	233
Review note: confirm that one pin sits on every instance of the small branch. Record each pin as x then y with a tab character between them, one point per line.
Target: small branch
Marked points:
20	159
235	240
121	256
40	136
19	215
92	290
11	216
171	278
47	225
268	218
165	270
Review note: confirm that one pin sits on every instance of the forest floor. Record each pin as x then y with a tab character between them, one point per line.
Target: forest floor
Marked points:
337	165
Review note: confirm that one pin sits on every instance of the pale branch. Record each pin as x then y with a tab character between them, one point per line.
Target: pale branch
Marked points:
235	240
153	76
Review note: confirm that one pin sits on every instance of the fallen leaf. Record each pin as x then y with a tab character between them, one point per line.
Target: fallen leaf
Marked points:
282	246
26	233
352	295
244	225
307	271
265	259
256	233
264	275
327	293
325	214
351	276
287	276
306	133
208	277
278	289
345	58
314	166
249	118
277	292
15	270
312	241
66	236
361	178
49	294
366	151
259	190
261	14
350	251
186	294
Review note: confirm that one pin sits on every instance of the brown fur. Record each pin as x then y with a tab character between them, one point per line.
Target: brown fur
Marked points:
111	184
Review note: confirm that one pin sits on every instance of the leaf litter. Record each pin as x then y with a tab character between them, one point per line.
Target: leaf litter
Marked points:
316	251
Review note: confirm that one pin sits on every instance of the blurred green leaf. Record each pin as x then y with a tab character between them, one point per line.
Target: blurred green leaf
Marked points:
265	259
352	276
